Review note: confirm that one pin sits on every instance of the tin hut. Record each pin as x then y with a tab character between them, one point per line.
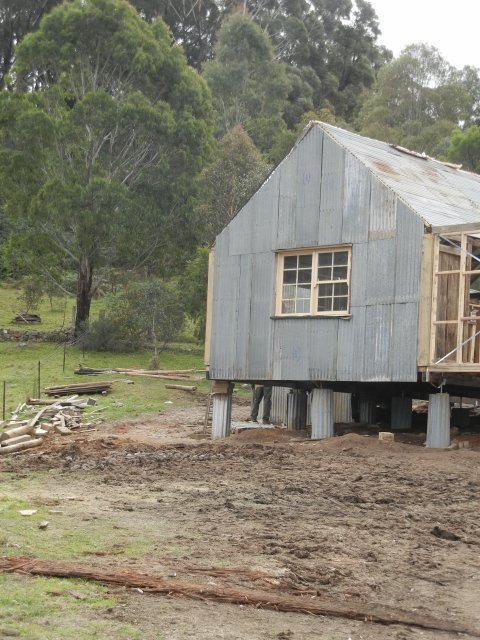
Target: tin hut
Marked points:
355	268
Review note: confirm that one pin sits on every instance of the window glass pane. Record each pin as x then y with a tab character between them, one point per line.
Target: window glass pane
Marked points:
340	304
305	261
324	273
288	291
303	292
290	262
341	289
340	258
288	306
324	259
325	290
324	304
303	306
304	276
289	277
339	273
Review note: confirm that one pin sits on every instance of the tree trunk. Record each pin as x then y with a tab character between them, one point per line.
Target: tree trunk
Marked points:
84	294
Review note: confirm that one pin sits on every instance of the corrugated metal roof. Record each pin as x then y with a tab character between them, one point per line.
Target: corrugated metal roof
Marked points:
441	195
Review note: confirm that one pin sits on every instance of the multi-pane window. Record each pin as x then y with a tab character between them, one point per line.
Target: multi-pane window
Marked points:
314	282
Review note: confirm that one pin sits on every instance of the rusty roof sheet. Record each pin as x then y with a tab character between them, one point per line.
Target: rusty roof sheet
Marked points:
440	194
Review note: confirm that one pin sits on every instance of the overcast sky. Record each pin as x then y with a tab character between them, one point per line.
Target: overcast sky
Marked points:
452	27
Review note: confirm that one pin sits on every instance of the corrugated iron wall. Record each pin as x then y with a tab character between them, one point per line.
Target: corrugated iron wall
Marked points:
319	195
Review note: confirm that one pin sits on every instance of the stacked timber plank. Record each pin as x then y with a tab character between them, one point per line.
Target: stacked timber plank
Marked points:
165	374
60	416
81	388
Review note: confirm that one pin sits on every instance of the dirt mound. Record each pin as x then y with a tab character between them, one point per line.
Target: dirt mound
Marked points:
260	435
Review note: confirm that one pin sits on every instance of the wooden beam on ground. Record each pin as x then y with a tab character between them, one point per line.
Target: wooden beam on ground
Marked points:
180	387
20	446
371	612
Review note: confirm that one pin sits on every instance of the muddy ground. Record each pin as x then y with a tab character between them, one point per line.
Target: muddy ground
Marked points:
349	518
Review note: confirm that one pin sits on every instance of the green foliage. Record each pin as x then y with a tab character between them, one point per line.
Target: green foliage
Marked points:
99	155
158	309
17	18
194	286
31	293
229	181
465	148
249	86
418	100
145	312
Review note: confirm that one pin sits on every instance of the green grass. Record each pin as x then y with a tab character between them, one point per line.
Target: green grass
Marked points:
19	366
51	608
54	316
63	539
19	369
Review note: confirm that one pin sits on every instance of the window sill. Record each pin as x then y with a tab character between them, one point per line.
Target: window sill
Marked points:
341	316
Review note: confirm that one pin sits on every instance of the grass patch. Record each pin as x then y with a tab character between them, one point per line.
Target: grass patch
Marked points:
51	608
146	395
66	538
54	316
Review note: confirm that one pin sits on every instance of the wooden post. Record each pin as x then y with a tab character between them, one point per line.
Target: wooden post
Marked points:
401	413
322	414
438	424
296	409
222	409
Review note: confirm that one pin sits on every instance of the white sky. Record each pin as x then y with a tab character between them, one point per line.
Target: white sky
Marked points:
452	27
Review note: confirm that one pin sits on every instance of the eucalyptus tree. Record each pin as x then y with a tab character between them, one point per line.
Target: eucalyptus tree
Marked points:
17	18
418	100
248	85
465	148
101	143
229	181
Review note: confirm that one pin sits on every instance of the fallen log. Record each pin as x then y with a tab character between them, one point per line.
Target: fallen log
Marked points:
16	440
370	612
90	371
180	387
34	442
16	431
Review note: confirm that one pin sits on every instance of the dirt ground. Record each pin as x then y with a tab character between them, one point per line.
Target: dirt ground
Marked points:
350	519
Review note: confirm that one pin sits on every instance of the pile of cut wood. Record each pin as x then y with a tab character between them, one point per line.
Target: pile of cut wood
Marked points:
61	416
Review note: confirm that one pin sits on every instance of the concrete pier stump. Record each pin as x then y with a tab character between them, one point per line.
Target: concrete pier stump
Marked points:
222	409
438	424
322	414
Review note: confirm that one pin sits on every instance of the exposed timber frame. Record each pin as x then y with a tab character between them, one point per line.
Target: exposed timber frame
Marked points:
455	301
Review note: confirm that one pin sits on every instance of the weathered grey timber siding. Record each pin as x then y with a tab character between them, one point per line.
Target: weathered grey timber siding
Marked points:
320	195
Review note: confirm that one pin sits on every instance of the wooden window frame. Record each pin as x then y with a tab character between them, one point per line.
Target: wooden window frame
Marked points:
314	283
